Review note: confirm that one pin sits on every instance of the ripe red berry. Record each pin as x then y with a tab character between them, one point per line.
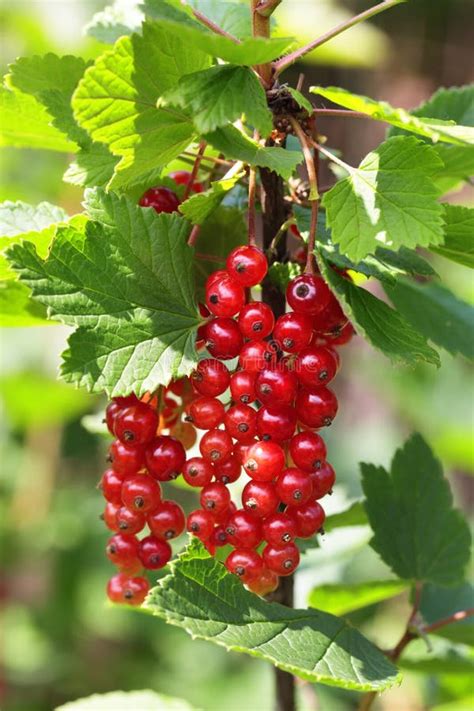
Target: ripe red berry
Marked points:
129	521
223	338
247	265
244	563
211	377
215	498
316	366
111	412
241	422
224	296
308	294
279	529
218	537
136	424
198	472
241	450
308	451
276	422
167	521
323	480
243	530
260	498
242	386
141	493
126	459
308	519
154	553
182	177
282	561
344	336
126	400
316	407
109	516
256	321
266	583
331	320
111	486
122	550
201	524
165	458
161	199
264	461
293	332
277	385
294	486
256	355
227	471
123	588
222	518
216	445
205	412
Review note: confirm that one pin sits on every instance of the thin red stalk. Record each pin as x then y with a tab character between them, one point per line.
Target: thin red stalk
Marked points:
210	159
251	207
194	234
209	257
195	170
210	24
300	83
345	113
456	617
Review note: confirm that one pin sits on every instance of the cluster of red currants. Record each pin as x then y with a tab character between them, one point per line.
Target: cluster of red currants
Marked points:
259	416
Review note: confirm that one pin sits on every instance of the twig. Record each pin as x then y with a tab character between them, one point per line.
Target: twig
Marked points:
283	63
330	155
194	234
210	24
195	170
251	220
210	159
456	617
209	257
267	7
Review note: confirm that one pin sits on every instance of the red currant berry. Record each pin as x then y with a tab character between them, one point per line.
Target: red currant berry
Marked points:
109	516
316	366
216	445
344	335
123	588
122	550
260	498
215	498
242	386
227	471
308	294
201	524
161	199
198	472
111	412
136	424
247	265
256	321
256	355
126	459
205	412
182	177
141	493
218	537
323	480
276	422
293	332
111	486
308	451
264	461
294	486
222	518
316	407
243	530
223	338
241	450
276	386
332	320
241	422
129	521
154	553
246	564
168	521
266	583
279	529
126	400
211	377
308	519
165	458
224	296
282	561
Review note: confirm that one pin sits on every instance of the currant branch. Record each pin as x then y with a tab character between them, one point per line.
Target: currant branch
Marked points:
210	24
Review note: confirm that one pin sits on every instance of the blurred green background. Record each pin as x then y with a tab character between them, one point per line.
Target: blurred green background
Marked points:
61	639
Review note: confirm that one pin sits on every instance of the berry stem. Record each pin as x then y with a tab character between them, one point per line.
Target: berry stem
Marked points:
267	7
282	230
345	113
331	156
456	617
195	170
209	23
251	207
194	234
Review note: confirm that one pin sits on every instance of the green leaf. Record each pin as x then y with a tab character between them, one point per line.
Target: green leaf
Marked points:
342	599
437	313
116	101
233	15
301	100
26	124
280	274
443	659
126	284
459	235
198	207
378	323
355	515
93	166
17	309
438	603
127	701
220	95
120	18
236	145
435	129
417	532
209	603
251	51
390	200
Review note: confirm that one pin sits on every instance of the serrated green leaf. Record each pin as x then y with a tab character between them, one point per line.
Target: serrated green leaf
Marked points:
92	166
116	101
382	326
126	284
355	515
209	603
233	15
301	100
26	124
417	532
17	310
438	603
220	95
122	17
250	51
435	129
342	599
236	145
200	206
390	200
458	235
127	701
